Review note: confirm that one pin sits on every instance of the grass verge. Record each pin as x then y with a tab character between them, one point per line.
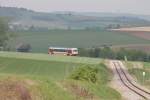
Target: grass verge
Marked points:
136	69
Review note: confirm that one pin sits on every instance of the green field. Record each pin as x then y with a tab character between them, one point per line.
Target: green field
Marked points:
40	41
30	64
46	57
49	73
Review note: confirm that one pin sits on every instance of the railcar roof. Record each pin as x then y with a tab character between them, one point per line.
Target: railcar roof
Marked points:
61	48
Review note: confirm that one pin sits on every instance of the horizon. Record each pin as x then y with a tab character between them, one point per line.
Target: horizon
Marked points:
62	11
107	6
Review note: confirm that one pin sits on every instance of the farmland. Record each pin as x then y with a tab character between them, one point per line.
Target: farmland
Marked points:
133	29
141	32
40	41
47	76
30	70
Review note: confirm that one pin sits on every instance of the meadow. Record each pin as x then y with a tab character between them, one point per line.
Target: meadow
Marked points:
40	41
49	76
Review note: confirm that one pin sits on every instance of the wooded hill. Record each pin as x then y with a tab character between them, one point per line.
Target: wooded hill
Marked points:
67	20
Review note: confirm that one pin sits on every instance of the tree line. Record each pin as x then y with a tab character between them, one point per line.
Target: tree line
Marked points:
4	35
109	53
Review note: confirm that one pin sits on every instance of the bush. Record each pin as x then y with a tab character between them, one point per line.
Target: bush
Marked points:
85	73
23	47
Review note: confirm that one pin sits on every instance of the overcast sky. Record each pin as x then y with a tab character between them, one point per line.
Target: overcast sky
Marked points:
117	6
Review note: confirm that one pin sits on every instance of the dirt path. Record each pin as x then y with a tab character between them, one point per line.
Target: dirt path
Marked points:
117	84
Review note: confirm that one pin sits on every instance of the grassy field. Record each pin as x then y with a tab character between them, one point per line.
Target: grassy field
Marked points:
40	41
137	68
46	57
47	76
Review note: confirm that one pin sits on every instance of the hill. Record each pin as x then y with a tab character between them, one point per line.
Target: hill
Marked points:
43	77
103	14
24	18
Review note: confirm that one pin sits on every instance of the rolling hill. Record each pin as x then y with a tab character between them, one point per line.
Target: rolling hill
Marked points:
64	20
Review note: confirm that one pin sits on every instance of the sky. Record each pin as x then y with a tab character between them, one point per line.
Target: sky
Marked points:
114	6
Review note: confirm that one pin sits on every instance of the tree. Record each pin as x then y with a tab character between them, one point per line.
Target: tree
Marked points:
23	47
107	52
96	52
4	36
118	26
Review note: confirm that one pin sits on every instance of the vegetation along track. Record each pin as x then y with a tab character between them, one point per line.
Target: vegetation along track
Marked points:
127	82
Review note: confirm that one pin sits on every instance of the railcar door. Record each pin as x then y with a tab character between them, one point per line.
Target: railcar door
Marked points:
69	52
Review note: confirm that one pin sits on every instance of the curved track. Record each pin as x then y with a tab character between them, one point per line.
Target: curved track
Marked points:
128	83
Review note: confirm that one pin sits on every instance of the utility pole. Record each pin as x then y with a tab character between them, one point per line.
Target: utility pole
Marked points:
125	58
144	77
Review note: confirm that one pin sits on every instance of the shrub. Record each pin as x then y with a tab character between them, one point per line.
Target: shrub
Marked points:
23	47
85	73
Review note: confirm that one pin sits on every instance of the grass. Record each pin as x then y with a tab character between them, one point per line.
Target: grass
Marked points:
46	57
49	73
101	89
40	41
137	72
50	91
39	88
51	69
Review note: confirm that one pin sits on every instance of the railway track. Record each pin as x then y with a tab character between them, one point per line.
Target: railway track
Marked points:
128	83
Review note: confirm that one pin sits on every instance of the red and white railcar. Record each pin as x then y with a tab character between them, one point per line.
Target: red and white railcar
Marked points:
63	51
